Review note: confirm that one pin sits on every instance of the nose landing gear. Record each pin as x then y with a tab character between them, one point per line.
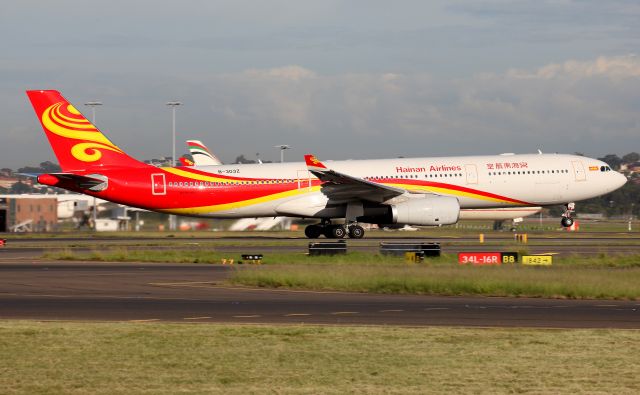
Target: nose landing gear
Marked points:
567	219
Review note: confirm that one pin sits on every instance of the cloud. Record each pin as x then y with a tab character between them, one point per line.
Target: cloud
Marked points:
615	68
574	105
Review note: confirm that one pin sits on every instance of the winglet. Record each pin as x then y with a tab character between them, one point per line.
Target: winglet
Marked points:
314	163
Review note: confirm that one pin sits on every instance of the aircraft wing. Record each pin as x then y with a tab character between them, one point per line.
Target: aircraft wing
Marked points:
340	186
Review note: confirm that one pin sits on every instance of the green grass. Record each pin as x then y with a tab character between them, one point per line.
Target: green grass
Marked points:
196	255
598	277
560	282
208	254
124	358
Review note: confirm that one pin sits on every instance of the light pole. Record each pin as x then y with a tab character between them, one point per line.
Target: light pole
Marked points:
93	105
173	105
282	147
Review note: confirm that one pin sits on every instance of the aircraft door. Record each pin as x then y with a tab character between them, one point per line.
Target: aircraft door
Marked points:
578	170
471	173
158	185
304	179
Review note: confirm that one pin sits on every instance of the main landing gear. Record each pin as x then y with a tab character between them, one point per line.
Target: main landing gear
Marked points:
567	220
334	231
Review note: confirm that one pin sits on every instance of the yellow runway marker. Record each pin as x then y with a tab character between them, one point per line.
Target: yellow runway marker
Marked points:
344	312
246	316
196	318
436	308
391	311
297	315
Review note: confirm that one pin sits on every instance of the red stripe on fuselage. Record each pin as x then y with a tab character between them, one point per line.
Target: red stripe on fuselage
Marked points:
459	188
387	181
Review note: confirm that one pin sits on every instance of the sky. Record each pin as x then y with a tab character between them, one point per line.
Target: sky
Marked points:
341	79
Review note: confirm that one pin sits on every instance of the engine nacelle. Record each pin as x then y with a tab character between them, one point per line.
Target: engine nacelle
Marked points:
428	211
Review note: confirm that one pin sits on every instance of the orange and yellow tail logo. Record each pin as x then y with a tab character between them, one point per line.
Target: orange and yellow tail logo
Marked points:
65	121
78	145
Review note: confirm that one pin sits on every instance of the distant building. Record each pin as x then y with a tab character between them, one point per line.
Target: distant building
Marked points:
160	162
7	182
633	167
28	213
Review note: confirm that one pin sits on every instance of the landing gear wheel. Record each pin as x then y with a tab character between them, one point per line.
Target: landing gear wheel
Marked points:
566	222
336	232
356	232
313	231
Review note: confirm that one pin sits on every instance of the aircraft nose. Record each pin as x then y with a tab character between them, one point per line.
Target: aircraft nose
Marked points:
620	180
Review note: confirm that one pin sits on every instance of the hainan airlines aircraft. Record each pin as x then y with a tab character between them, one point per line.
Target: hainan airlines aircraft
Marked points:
418	191
202	156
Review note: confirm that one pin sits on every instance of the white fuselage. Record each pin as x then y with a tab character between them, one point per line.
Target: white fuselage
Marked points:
476	181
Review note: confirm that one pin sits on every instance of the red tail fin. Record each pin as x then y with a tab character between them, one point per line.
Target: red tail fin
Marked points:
78	144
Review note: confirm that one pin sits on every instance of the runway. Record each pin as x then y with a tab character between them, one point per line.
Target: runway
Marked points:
198	293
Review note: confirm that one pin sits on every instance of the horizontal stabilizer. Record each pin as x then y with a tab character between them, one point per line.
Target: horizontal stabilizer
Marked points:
66	179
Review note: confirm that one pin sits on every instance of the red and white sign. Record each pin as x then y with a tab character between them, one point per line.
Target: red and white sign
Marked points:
480	258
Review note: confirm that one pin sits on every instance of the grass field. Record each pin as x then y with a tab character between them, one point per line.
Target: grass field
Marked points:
600	277
127	358
567	282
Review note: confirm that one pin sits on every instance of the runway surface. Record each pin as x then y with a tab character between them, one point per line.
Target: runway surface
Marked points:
197	293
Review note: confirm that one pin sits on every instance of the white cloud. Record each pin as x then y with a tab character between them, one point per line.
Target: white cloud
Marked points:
569	106
292	73
616	68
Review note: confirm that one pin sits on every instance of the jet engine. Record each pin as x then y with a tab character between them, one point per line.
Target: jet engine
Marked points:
430	210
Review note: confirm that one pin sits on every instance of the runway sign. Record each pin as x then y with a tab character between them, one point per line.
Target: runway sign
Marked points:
480	258
487	258
537	260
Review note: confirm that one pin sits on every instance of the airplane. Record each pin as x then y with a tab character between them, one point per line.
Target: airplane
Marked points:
202	156
416	191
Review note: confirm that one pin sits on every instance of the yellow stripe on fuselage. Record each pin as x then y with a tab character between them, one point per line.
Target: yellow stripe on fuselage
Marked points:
199	177
241	203
447	191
